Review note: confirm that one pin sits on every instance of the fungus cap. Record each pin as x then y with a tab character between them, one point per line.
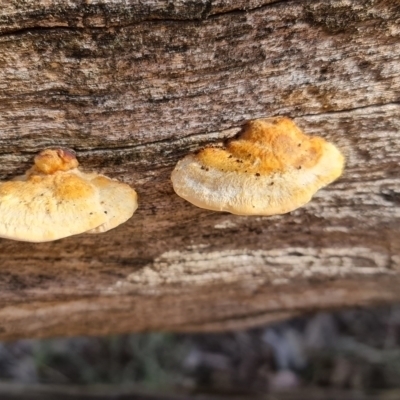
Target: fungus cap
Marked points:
272	167
55	200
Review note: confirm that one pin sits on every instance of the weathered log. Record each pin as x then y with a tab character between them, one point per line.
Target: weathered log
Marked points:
134	86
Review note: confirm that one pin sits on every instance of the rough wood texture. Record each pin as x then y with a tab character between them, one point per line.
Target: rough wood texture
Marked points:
134	86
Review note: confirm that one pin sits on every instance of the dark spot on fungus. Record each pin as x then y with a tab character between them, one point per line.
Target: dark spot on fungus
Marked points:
299	167
257	174
299	145
271	184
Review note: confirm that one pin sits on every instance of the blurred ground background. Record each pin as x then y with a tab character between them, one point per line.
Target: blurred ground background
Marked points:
353	349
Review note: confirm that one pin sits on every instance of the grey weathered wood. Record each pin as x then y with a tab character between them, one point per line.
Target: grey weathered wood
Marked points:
133	87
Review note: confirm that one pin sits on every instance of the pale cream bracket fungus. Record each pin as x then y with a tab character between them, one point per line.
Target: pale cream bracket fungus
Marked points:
54	199
272	167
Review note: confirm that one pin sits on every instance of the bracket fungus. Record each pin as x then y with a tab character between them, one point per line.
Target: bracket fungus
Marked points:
272	167
54	199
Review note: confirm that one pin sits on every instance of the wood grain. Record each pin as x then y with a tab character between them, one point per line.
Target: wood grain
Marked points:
132	89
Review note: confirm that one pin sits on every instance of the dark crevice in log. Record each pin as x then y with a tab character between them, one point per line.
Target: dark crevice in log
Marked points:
244	9
45	30
204	11
344	110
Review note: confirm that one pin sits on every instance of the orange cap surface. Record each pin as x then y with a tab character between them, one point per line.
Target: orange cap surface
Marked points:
272	167
55	200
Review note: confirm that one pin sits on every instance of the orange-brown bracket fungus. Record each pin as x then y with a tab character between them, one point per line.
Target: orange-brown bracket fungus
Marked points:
272	167
54	199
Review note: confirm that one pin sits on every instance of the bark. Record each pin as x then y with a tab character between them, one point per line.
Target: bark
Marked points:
132	87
